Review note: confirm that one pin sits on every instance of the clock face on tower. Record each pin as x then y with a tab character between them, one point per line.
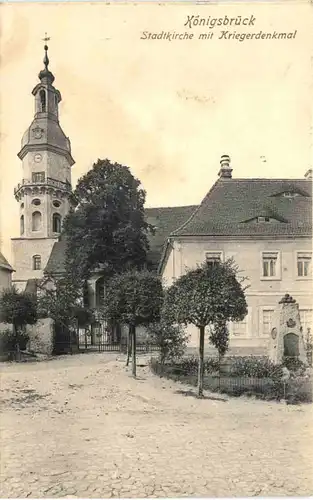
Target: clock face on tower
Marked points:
37	158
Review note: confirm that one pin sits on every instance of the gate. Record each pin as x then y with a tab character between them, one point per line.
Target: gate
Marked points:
99	337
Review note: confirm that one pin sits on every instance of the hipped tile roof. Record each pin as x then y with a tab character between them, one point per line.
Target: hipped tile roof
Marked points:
231	204
228	209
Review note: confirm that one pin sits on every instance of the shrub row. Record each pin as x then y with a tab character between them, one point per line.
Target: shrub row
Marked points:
298	389
244	366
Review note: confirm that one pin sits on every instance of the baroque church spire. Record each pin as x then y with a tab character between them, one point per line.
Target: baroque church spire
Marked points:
45	76
44	193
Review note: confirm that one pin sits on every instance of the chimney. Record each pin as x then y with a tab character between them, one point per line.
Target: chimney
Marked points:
225	170
308	174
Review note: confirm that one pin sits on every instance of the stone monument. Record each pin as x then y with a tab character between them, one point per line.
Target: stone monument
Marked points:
286	339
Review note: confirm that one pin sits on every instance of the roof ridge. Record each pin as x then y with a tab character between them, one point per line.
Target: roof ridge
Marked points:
292	179
175	206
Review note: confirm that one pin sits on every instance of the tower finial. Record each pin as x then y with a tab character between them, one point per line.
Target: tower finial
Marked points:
46	72
46	59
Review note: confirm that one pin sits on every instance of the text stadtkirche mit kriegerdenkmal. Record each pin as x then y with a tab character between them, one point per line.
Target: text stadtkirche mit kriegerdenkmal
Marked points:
238	28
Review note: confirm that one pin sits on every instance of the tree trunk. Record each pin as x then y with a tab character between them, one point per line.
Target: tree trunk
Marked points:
17	343
129	345
134	351
201	364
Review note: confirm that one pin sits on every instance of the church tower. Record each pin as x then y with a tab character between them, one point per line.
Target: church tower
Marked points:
44	194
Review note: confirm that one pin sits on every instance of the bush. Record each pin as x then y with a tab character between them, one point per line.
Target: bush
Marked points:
5	341
212	365
267	388
171	340
8	341
254	367
294	365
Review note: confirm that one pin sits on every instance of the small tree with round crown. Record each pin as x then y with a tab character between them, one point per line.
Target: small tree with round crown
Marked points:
210	295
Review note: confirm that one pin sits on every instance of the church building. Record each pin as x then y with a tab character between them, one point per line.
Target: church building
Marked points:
265	225
44	194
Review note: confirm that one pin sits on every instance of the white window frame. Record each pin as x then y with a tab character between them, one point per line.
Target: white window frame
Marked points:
40	175
261	219
261	325
278	266
304	309
247	333
300	278
214	252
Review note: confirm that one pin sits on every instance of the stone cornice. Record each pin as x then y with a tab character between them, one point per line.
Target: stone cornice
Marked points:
46	147
35	190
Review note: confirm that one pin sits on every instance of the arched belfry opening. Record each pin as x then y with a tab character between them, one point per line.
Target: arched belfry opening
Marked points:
43	101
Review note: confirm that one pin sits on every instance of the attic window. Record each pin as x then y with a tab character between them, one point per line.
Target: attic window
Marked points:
263	219
290	194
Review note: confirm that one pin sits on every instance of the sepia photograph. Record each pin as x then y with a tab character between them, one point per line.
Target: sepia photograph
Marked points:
156	249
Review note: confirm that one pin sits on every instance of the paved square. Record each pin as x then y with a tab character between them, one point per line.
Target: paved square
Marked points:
80	426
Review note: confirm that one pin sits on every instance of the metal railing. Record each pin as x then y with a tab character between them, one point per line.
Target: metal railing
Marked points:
49	181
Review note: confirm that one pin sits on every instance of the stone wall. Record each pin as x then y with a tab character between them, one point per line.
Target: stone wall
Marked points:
41	336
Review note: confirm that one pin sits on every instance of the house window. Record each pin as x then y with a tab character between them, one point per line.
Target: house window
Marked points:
213	258
22	224
239	328
267	321
36	202
38	177
36	262
304	260
263	219
43	104
306	321
270	264
36	221
56	223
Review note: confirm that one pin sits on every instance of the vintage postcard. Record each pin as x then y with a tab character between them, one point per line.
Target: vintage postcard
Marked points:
156	249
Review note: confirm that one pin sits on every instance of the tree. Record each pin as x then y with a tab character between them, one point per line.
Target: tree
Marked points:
18	309
171	339
107	229
61	299
209	295
134	299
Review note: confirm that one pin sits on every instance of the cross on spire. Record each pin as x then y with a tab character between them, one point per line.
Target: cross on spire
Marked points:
46	38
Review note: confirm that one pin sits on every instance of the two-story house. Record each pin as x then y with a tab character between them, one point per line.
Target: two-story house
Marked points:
266	226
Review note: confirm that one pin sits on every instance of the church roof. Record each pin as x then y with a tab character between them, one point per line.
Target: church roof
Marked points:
4	263
232	207
164	219
43	133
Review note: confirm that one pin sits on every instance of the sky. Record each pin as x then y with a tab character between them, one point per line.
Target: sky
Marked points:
167	109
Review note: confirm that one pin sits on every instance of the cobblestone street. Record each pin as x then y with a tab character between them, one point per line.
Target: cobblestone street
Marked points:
80	426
